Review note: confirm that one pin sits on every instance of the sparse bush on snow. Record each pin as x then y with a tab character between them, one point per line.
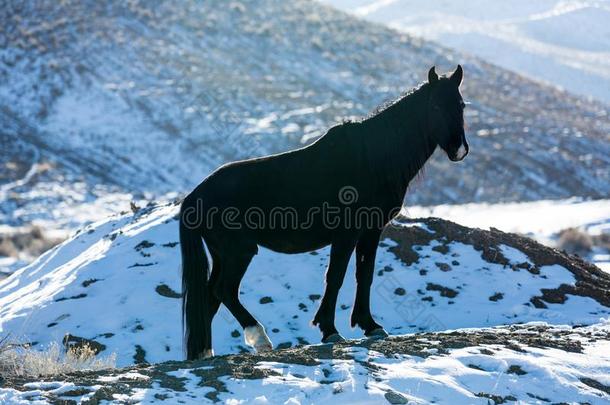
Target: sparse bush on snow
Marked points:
29	243
575	241
22	360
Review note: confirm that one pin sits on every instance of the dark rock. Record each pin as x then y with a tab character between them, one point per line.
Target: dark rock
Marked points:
90	281
76	342
394	397
143	245
596	384
514	369
166	291
265	300
443	266
140	355
444	291
496	297
74	297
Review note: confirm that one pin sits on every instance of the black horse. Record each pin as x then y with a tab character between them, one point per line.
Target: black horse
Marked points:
341	191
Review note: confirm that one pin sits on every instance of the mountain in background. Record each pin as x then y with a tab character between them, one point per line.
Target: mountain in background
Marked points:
563	43
101	104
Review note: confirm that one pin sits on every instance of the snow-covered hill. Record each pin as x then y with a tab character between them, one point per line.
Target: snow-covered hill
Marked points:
562	42
138	100
544	221
116	285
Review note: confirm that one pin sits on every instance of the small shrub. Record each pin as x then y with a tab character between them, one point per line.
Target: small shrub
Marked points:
575	241
26	244
23	360
602	241
7	248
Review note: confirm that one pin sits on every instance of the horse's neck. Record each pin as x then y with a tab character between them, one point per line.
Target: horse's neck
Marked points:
407	144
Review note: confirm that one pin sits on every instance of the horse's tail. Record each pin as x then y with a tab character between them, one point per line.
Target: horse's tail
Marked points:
195	317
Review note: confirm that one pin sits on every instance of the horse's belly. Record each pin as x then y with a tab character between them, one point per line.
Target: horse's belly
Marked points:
291	243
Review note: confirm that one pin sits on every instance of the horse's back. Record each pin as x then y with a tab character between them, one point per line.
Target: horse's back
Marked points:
292	179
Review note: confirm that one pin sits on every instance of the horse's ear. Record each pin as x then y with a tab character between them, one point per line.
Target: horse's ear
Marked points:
458	75
432	76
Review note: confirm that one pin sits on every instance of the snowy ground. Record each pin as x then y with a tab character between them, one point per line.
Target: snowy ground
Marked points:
533	364
562	42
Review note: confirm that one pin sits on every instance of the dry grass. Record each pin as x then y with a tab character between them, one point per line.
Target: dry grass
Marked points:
576	241
28	243
22	360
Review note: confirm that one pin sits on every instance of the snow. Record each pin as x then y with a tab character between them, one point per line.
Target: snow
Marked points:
36	393
107	262
524	36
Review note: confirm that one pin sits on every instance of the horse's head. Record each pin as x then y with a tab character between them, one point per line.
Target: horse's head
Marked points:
446	113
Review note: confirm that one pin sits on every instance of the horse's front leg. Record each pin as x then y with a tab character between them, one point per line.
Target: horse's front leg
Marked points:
366	249
340	252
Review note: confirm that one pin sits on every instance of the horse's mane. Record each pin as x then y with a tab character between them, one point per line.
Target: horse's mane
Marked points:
385	105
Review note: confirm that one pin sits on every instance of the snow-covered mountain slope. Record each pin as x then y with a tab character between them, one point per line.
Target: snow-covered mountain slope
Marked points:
561	42
530	364
117	283
142	99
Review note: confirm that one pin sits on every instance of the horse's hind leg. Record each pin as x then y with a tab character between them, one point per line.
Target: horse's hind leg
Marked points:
213	301
234	266
340	252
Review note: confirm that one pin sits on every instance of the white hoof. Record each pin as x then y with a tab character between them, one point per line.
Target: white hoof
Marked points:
256	337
